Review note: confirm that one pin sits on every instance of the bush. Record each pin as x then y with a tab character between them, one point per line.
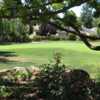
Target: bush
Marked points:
39	38
4	91
51	38
50	81
72	37
56	83
54	38
13	31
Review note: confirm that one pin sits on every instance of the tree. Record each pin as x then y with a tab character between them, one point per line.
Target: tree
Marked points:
47	11
87	16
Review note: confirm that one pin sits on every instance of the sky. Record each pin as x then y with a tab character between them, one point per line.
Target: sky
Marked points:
77	10
98	0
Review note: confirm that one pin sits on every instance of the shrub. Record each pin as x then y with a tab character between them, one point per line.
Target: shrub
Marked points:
54	38
72	37
39	38
13	31
51	38
50	81
4	91
56	83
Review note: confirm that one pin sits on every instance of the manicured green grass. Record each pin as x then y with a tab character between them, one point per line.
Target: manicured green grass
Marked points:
74	55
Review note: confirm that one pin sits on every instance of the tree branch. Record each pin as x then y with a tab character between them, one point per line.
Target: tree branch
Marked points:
82	36
86	41
64	9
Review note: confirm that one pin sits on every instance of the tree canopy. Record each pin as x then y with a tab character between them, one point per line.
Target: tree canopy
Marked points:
47	11
87	16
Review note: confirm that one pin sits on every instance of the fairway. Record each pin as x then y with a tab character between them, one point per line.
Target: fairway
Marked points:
74	55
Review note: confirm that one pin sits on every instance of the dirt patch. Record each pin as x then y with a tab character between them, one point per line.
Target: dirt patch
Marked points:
19	59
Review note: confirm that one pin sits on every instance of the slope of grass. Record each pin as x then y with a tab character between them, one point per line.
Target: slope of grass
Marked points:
74	55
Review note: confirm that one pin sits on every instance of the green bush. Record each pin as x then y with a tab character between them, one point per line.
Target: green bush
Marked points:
39	38
51	38
56	83
50	81
54	38
4	91
72	37
13	31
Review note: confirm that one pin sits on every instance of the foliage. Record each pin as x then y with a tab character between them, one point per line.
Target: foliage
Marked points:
38	38
59	83
13	31
50	82
96	5
48	11
48	38
87	16
55	38
4	91
14	75
98	30
96	22
70	19
55	83
72	37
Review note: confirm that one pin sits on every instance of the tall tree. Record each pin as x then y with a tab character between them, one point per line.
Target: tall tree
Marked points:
87	16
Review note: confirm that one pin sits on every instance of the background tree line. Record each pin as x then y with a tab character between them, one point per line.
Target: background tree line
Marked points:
46	11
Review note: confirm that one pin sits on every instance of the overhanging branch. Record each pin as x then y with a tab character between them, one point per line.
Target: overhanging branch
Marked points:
64	9
82	36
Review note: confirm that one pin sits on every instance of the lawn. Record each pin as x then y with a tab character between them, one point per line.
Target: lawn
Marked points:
74	55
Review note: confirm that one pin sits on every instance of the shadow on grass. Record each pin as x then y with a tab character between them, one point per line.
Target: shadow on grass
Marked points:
11	59
5	43
5	54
